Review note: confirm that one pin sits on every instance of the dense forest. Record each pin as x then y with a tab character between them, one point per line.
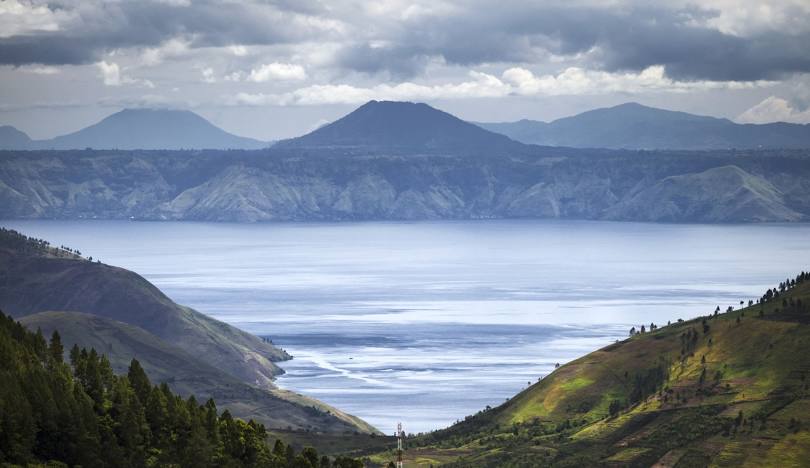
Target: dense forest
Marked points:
59	413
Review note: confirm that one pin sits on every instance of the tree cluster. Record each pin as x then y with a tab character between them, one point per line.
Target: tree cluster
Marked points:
81	413
11	239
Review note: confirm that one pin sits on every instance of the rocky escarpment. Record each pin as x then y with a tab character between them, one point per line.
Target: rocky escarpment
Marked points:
330	184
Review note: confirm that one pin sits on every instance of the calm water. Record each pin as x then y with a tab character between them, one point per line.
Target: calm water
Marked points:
428	322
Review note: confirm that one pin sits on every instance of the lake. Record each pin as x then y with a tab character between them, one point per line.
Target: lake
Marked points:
428	322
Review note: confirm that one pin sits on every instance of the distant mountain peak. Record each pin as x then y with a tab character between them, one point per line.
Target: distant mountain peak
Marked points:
12	138
633	125
400	124
152	128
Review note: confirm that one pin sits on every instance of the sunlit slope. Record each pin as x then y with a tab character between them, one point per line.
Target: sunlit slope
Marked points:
725	390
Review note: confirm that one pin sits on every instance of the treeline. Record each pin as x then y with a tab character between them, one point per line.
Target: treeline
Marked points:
9	238
81	413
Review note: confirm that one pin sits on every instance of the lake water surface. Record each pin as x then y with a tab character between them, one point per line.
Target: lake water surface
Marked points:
425	323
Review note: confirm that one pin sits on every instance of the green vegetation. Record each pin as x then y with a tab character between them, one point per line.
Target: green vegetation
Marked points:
27	245
81	413
122	315
725	389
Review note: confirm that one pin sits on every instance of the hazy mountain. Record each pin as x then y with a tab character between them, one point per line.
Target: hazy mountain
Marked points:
388	125
13	139
145	129
635	126
393	161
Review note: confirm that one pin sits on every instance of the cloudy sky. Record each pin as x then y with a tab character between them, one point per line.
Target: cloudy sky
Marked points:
273	69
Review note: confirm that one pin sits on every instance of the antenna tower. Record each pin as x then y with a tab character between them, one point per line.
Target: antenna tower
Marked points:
400	445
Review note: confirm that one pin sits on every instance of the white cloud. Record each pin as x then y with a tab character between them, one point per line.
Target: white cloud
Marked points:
235	76
482	85
578	81
172	48
513	81
277	71
208	75
110	73
774	109
40	70
18	18
175	3
238	50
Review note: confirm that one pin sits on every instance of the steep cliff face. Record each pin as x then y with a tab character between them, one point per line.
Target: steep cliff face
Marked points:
720	194
338	185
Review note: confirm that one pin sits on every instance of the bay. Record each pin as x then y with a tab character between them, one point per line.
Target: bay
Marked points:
428	322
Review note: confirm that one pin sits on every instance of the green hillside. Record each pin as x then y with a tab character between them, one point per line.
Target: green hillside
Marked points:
32	282
727	389
56	412
187	375
121	314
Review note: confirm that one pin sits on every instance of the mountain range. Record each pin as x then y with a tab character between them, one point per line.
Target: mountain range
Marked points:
149	129
345	171
634	126
398	125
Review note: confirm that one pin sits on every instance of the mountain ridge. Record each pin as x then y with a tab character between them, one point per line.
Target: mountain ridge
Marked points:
121	313
139	128
635	126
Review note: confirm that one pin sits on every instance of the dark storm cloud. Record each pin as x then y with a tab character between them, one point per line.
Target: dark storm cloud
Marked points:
619	37
98	27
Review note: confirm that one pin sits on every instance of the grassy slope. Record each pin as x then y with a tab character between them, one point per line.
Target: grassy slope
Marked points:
131	317
164	362
758	366
31	284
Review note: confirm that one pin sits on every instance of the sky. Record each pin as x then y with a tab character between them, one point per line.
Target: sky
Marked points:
276	69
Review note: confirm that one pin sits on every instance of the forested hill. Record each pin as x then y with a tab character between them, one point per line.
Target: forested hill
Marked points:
38	278
728	388
81	414
14	242
119	312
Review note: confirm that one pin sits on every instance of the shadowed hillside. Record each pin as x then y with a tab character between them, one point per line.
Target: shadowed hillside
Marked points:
188	375
123	315
35	283
69	407
724	389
